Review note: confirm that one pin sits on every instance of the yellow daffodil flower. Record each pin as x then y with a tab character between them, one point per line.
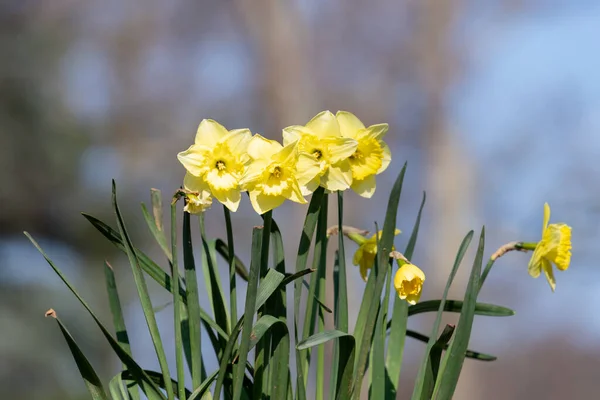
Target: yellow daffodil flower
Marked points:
276	173
372	155
408	282
365	255
218	159
322	141
554	248
198	195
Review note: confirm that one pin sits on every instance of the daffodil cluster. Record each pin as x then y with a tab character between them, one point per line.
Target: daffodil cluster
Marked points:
335	152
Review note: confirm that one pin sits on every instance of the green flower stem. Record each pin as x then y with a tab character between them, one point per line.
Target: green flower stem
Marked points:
177	305
263	346
322	266
520	246
526	246
232	283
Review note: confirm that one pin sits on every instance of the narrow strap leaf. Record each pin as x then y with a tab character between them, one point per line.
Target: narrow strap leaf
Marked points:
147	385
418	388
85	368
397	325
454	358
144	296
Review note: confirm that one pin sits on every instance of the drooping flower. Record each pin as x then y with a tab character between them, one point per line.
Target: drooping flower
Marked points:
198	195
322	141
217	158
408	282
554	248
365	255
372	155
276	173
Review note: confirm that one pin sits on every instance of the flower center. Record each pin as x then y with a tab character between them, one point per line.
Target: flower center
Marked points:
318	154
220	165
276	172
357	156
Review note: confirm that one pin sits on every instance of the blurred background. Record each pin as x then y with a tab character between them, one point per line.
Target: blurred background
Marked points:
495	104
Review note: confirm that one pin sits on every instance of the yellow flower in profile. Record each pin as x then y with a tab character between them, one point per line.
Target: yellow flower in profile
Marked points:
276	173
322	141
365	255
554	248
408	282
372	155
198	196
217	158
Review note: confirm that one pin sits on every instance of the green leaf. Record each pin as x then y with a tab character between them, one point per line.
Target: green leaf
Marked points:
395	350
470	353
279	377
149	388
316	298
177	305
263	348
340	294
156	226
202	390
310	223
420	381
85	368
193	303
115	308
249	310
144	296
436	354
268	285
490	310
117	388
322	242
149	266
455	356
158	378
231	261
378	275
281	346
240	268
117	314
212	281
313	289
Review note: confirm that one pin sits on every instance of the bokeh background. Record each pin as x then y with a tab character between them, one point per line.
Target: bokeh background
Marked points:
495	104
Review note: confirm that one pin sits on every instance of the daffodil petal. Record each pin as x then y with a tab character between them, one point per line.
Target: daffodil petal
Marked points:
192	160
337	177
238	140
364	187
296	195
229	198
357	256
193	183
340	148
387	157
307	173
263	203
364	269
546	216
547	267
210	132
377	131
349	123
324	124
293	133
253	172
286	154
261	147
535	263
